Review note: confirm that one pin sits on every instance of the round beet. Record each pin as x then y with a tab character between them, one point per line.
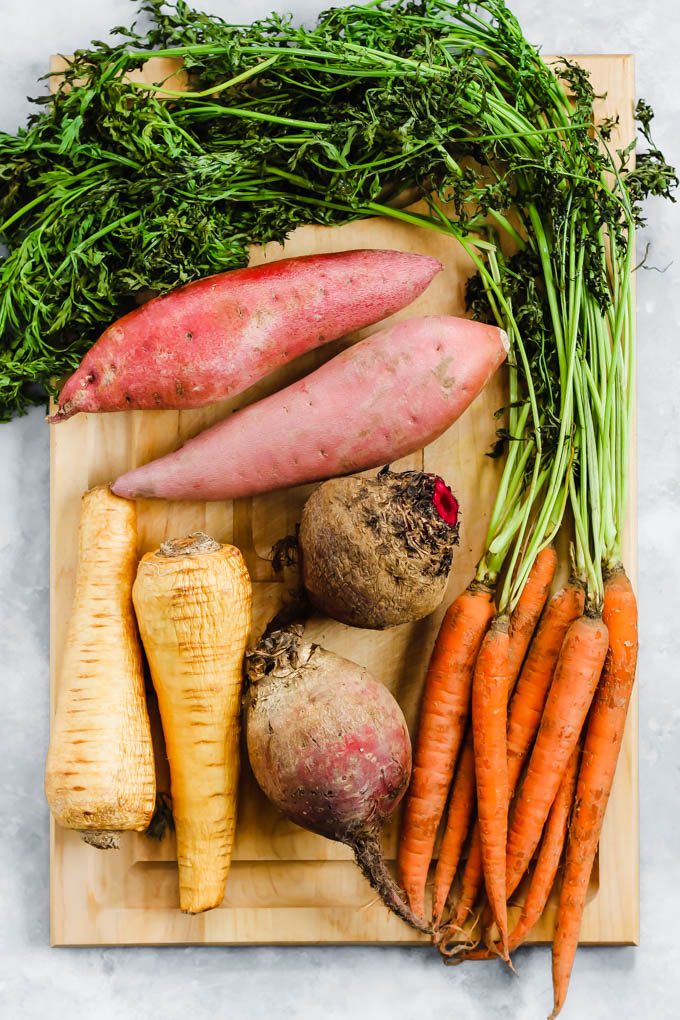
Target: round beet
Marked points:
329	746
376	552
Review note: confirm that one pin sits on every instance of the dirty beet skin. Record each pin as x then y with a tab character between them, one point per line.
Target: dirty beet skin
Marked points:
376	552
329	746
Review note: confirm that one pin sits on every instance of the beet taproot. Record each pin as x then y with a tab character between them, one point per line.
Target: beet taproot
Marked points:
329	746
376	552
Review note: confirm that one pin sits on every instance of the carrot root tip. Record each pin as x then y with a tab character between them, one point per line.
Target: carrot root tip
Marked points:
449	951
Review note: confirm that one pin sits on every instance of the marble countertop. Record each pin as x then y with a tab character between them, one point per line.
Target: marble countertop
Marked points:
203	983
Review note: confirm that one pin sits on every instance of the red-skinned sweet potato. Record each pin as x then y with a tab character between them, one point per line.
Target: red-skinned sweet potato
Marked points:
215	337
381	399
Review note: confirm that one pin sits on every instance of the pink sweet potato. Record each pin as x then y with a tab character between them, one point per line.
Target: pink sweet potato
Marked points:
215	337
379	400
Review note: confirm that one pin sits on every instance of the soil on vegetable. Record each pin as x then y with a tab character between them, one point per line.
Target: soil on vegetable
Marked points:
376	552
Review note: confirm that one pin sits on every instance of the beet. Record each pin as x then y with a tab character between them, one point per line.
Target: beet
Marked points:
329	746
376	552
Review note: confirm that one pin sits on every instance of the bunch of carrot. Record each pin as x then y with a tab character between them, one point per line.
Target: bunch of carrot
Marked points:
555	660
524	708
526	695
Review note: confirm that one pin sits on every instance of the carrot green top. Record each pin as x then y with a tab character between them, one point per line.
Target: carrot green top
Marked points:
119	187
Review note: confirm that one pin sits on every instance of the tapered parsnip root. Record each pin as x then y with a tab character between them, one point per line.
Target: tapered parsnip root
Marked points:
100	777
193	601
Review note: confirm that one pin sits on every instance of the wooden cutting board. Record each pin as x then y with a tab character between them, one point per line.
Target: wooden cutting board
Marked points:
287	885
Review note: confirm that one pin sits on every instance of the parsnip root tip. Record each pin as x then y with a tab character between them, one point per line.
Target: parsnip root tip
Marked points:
193	545
102	839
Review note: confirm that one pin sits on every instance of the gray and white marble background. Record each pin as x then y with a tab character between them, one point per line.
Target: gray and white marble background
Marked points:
404	984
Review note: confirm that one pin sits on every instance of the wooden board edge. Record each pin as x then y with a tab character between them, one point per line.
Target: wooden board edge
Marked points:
54	937
634	492
104	941
288	944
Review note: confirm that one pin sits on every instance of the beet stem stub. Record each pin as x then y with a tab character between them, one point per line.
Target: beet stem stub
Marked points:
445	502
369	856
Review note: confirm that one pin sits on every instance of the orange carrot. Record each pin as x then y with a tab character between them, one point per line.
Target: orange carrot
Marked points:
526	707
576	675
549	855
528	700
489	711
444	710
604	734
522	623
472	881
529	607
457	824
544	873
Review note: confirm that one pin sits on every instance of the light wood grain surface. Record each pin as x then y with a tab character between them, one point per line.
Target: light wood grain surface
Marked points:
287	885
